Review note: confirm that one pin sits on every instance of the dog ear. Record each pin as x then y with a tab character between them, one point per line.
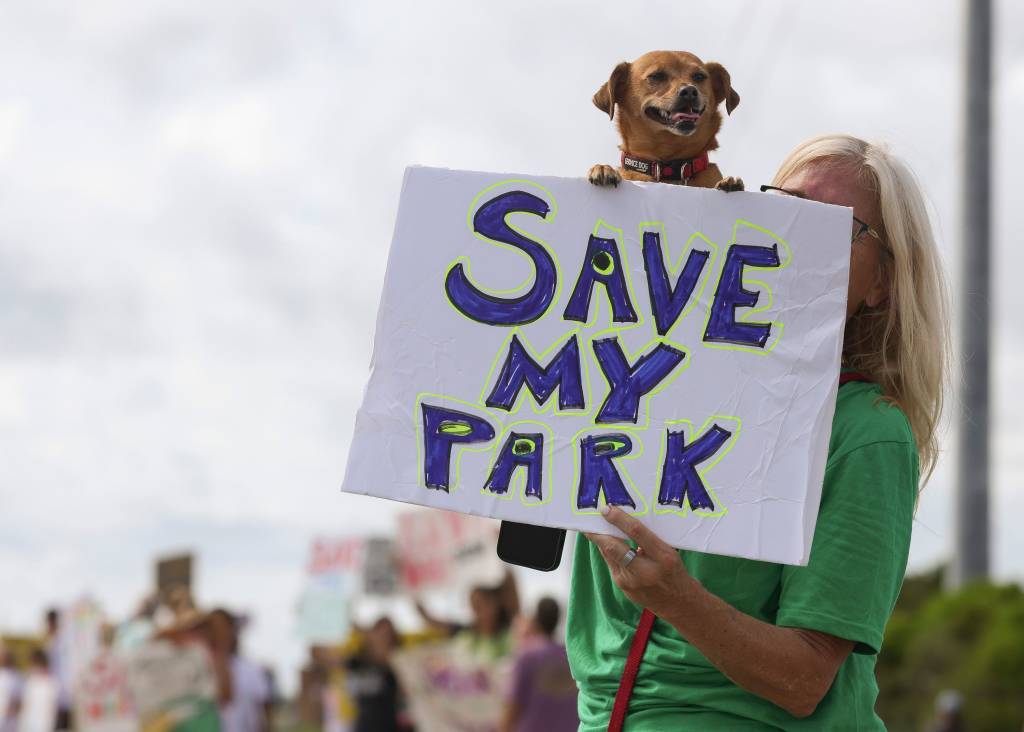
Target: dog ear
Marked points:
612	92
722	85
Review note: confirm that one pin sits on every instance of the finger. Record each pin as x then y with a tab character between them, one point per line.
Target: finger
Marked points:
631	527
611	548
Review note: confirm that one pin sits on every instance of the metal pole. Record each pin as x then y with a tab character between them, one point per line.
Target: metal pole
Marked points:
971	557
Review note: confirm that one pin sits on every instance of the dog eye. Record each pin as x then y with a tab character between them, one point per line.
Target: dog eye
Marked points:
699	76
657	77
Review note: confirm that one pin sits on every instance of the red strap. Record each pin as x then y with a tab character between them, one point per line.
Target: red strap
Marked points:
636	652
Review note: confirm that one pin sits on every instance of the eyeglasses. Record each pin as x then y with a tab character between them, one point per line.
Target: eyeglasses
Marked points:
860	228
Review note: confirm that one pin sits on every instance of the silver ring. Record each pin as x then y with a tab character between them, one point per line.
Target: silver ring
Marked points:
628	557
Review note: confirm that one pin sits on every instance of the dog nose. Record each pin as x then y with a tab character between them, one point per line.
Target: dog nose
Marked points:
688	93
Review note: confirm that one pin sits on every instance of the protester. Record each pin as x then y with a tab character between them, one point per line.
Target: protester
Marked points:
460	684
211	631
740	644
59	668
542	693
372	683
492	609
274	698
11	684
488	634
40	699
248	707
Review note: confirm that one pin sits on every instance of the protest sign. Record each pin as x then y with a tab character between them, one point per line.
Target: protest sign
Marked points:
380	568
333	574
445	550
79	639
173	573
103	700
20	648
324	610
545	346
173	688
450	688
332	556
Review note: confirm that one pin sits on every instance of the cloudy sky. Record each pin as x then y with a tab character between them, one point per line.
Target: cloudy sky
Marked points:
196	201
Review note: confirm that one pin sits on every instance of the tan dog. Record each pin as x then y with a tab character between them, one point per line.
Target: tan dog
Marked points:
668	117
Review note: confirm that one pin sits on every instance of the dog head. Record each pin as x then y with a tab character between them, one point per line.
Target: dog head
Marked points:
667	103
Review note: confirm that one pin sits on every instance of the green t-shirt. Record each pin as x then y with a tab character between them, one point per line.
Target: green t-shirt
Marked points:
848	589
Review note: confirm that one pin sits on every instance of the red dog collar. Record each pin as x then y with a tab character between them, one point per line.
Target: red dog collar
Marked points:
681	170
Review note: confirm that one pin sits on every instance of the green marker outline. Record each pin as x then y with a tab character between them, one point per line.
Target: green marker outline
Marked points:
685	509
594	308
464	259
643	411
417	418
785	258
551	406
615	329
638	450
674	268
518	483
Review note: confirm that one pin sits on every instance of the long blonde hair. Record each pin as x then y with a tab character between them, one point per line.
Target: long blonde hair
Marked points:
904	343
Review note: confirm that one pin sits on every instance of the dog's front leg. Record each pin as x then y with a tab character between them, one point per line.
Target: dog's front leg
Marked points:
730	183
604	175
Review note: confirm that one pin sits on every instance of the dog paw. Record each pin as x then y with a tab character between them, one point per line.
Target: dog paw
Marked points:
729	184
604	175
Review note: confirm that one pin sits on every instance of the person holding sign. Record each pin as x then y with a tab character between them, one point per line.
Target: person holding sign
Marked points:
686	640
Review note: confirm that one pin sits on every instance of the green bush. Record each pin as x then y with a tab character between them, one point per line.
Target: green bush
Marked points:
971	641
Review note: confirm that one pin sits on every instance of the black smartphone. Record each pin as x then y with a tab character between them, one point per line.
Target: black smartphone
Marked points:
536	547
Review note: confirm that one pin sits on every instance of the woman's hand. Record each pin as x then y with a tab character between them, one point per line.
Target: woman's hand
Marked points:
656	578
791	667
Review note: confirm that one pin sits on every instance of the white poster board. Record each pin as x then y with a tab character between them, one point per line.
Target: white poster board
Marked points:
452	689
333	577
544	346
450	552
103	700
173	688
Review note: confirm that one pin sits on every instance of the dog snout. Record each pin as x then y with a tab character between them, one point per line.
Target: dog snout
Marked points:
688	94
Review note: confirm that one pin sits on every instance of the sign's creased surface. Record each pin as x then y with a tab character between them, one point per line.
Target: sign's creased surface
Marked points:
544	347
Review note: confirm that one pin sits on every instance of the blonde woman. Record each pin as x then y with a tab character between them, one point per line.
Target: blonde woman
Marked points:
745	645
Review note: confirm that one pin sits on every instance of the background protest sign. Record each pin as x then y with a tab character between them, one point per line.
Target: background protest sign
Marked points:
333	576
545	346
103	700
324	610
380	568
173	688
336	556
173	573
441	550
78	638
450	688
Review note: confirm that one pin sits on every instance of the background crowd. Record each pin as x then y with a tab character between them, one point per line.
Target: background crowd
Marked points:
952	662
86	673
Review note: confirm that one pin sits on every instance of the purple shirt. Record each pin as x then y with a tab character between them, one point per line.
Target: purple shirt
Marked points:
544	690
